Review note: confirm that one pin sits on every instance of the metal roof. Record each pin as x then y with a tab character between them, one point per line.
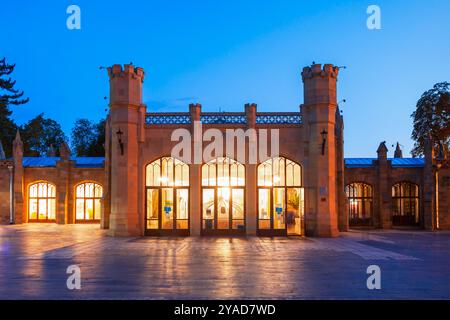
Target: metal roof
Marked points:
396	162
46	162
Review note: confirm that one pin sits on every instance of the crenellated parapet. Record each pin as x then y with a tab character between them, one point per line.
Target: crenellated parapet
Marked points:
316	70
127	70
125	85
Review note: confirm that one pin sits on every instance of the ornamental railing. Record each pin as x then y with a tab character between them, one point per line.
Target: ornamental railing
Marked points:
224	118
278	118
167	118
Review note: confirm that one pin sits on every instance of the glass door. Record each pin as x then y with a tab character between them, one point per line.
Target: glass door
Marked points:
167	211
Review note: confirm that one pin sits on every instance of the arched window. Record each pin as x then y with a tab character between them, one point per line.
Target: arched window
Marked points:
280	197
87	202
223	194
42	202
360	198
405	197
167	197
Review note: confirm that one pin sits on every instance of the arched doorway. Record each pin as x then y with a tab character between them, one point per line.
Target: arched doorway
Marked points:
88	208
280	197
405	204
42	202
223	197
360	204
167	197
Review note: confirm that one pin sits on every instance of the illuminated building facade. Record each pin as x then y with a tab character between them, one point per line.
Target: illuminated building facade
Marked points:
308	188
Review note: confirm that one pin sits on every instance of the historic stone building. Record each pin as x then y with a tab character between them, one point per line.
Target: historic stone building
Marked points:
138	188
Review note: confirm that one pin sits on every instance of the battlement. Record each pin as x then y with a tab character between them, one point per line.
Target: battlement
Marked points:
127	70
316	70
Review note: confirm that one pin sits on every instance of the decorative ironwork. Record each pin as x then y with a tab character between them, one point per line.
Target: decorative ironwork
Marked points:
167	119
223	118
279	118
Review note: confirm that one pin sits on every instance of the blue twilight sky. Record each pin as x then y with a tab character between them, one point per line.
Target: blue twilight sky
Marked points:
224	54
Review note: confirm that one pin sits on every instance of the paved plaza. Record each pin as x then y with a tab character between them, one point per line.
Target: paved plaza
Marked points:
34	259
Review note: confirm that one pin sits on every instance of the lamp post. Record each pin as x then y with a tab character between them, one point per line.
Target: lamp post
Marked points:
11	194
324	134
119	134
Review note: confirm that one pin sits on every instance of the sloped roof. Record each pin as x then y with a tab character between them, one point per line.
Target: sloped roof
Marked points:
396	162
46	162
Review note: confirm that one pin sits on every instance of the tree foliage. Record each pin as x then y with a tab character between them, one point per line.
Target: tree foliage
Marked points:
8	96
432	119
88	138
39	134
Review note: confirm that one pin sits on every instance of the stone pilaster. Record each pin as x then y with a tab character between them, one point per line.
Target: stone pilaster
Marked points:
251	177
384	188
20	215
195	171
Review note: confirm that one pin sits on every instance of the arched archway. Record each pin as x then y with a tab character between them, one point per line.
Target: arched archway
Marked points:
167	197
223	197
360	203
280	197
42	202
88	206
405	204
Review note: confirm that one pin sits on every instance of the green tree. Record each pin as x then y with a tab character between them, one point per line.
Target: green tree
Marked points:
88	138
8	96
39	134
432	119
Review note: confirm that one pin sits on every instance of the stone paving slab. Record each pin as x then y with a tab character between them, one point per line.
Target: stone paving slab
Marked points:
34	259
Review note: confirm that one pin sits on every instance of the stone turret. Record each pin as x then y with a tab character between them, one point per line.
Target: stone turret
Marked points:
398	151
382	151
319	118
64	151
127	131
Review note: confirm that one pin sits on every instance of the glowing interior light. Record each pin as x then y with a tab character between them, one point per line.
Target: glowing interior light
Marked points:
163	179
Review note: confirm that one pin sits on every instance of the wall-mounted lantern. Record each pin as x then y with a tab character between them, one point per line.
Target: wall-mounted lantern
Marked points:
324	134
119	134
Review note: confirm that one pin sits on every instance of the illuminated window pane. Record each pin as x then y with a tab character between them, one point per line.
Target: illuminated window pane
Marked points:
238	204
152	205
264	208
79	209
279	208
42	203
88	204
33	209
167	208
182	204
223	208
208	208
